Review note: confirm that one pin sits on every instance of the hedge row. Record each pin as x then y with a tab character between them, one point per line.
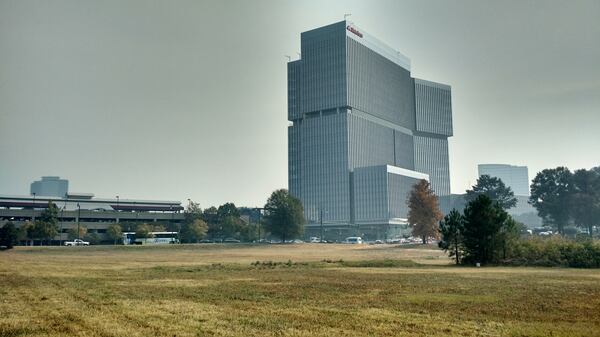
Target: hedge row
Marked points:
555	251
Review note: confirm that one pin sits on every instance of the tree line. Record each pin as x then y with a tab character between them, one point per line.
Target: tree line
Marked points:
485	233
562	197
282	216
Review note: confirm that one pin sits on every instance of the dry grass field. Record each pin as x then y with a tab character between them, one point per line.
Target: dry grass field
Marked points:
216	290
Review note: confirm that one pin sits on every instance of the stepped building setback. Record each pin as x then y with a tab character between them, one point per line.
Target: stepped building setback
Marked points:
363	132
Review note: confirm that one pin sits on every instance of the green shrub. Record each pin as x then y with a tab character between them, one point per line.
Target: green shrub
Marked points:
555	251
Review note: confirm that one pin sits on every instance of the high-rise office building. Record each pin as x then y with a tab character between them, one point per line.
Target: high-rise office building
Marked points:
50	186
363	131
515	177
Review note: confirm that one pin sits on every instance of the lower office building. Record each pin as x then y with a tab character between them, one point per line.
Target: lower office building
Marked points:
379	197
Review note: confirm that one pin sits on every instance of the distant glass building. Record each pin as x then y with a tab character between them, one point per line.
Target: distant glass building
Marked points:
50	187
362	133
515	177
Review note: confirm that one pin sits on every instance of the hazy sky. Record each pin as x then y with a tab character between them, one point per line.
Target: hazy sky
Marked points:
187	99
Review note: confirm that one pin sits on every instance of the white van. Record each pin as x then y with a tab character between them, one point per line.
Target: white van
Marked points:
354	240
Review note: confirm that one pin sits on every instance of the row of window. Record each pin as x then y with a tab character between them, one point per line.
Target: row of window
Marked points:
89	230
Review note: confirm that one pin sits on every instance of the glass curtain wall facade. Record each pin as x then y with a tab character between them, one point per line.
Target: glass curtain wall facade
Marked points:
353	104
433	110
380	193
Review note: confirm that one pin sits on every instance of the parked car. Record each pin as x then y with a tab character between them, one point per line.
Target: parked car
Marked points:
231	240
77	242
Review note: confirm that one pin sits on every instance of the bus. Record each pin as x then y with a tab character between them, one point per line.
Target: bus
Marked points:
156	238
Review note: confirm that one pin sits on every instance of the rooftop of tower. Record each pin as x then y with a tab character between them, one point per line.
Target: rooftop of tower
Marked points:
361	36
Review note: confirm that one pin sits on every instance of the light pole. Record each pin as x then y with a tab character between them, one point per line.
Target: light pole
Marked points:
118	209
179	231
189	216
172	221
78	221
259	214
129	225
321	220
33	208
258	226
172	214
62	220
136	216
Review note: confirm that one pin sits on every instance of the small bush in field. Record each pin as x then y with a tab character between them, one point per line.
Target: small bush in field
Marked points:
386	263
272	264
